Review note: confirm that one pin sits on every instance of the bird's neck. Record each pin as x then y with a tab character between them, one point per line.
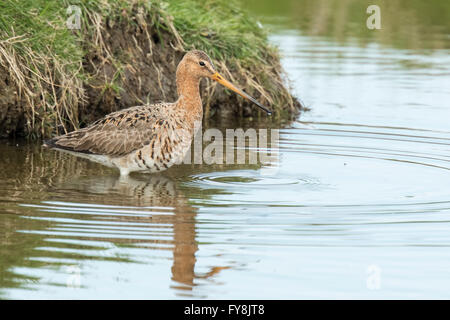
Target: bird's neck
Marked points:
188	93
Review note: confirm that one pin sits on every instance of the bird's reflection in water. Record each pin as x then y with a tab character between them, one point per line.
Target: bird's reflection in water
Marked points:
60	211
160	191
158	197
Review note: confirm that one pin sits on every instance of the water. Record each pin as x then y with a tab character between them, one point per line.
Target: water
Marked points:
357	204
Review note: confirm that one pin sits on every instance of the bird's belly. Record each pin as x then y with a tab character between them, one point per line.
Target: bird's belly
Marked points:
153	160
102	159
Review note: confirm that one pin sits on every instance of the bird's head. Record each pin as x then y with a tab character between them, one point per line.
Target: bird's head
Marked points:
199	64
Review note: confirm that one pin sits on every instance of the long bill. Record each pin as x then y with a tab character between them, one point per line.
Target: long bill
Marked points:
217	77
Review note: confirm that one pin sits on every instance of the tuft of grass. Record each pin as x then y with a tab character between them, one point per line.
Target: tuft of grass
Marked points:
43	59
220	28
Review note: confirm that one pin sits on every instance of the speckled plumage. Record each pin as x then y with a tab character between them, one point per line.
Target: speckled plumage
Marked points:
150	137
145	138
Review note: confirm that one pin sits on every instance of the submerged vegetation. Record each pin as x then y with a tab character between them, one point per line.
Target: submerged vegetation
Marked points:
54	78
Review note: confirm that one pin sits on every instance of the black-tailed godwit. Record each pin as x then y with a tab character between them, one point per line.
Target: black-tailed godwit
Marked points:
150	137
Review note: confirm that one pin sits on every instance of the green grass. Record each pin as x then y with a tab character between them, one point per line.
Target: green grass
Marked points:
43	58
42	24
220	28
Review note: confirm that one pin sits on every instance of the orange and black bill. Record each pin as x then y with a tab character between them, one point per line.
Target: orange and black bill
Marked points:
217	77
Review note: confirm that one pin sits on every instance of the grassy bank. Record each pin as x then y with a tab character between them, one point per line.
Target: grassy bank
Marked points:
54	79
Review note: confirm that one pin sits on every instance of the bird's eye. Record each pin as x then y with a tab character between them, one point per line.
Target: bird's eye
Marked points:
201	63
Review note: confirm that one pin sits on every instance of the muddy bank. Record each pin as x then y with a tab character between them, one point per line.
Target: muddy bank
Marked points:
126	62
11	106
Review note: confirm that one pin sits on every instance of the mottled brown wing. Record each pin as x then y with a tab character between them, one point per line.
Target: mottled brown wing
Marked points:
117	134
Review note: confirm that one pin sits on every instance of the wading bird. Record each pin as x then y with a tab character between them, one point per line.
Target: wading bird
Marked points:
150	137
